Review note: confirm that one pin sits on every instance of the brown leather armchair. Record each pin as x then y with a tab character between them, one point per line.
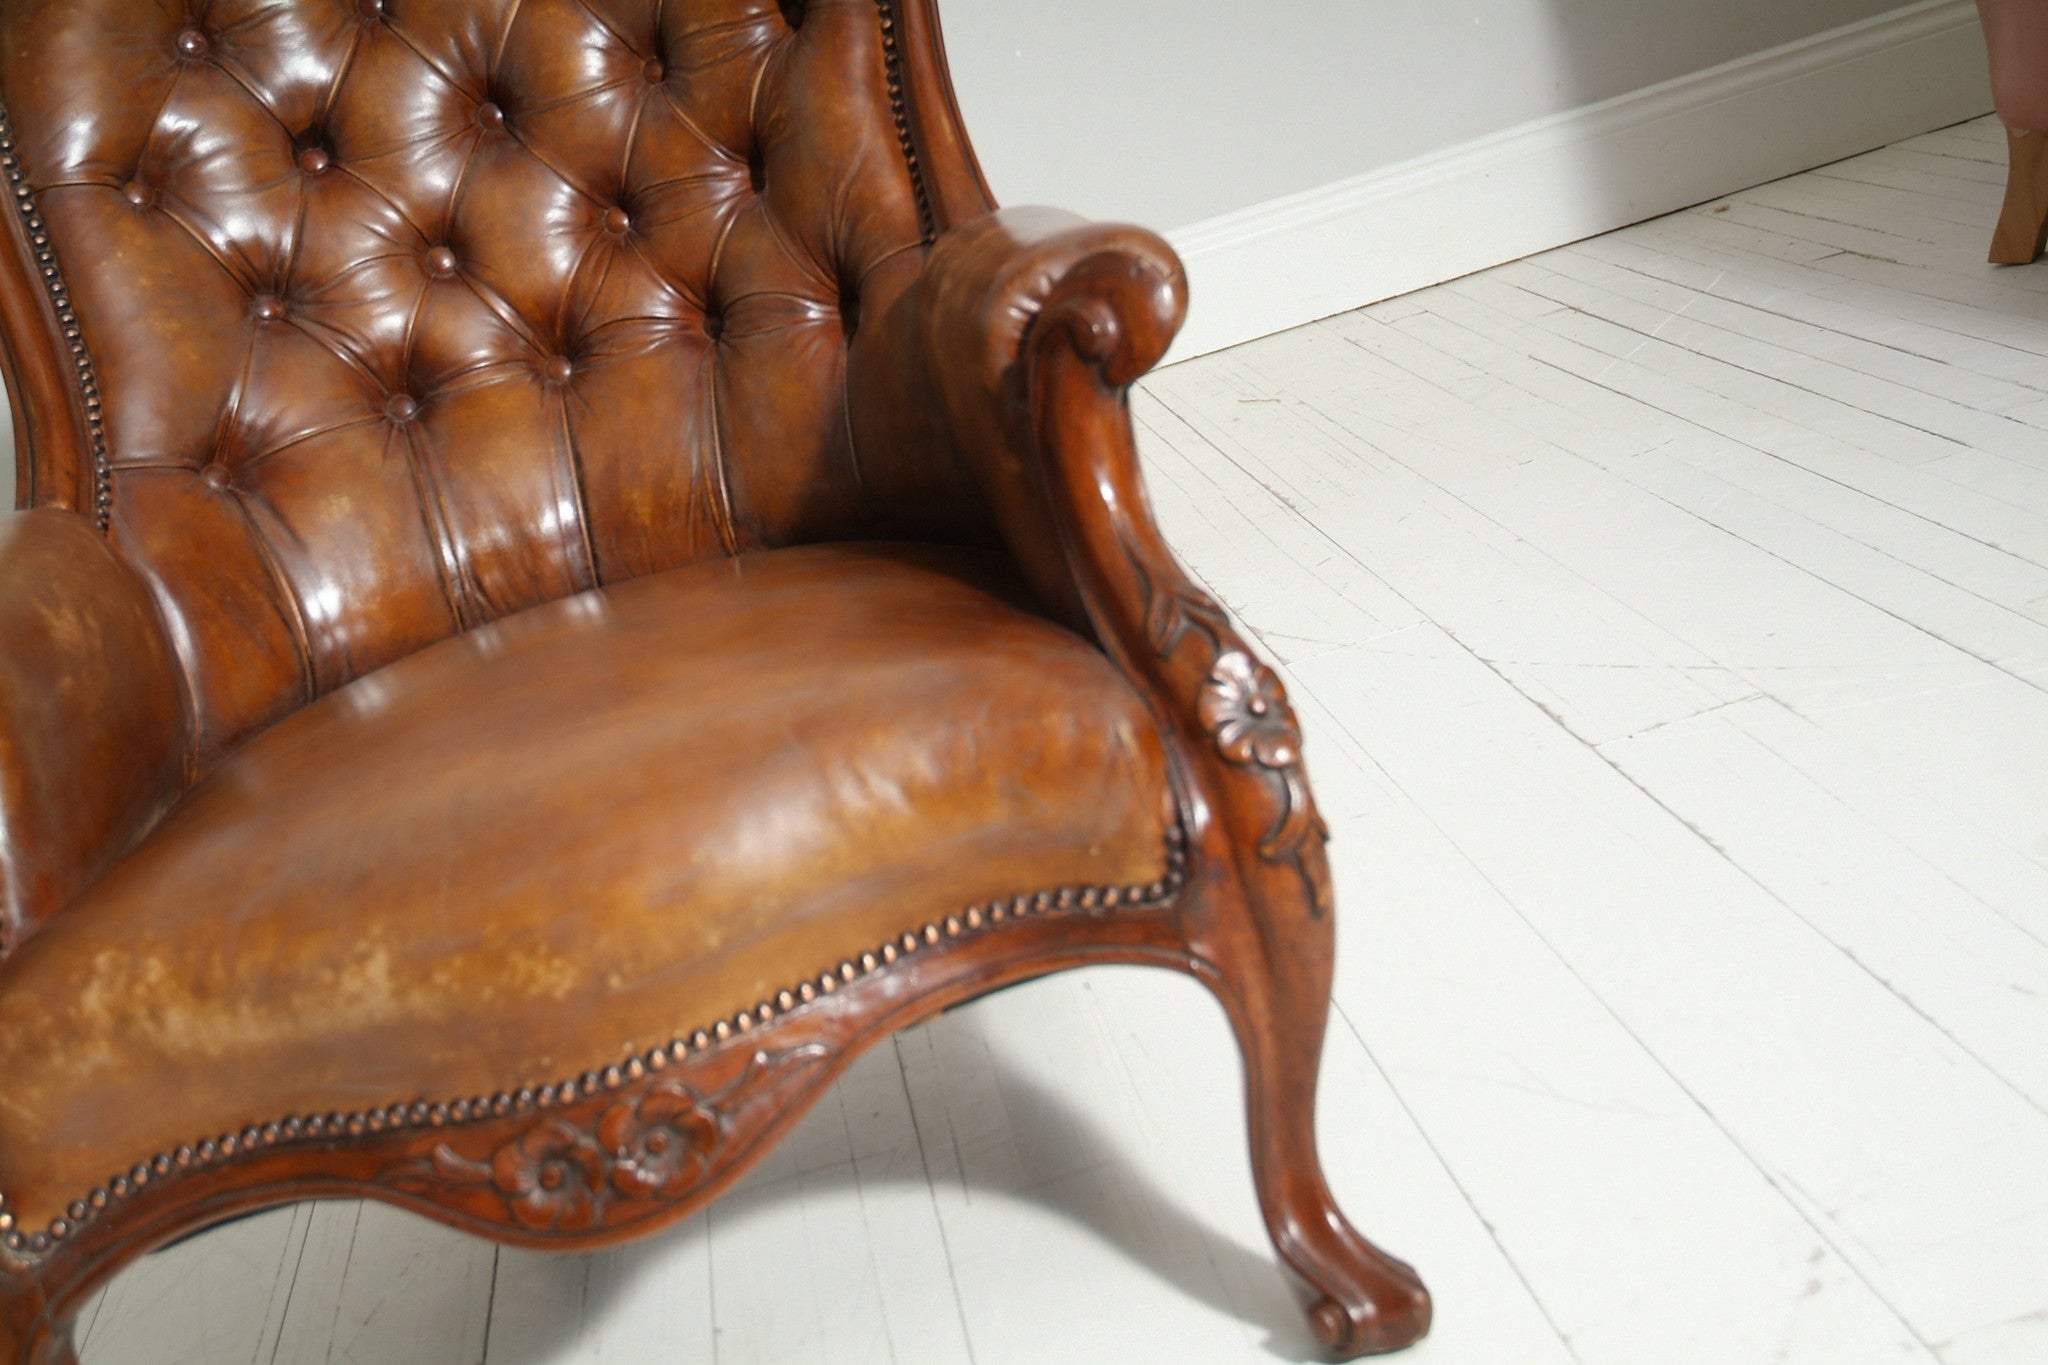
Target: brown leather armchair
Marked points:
575	575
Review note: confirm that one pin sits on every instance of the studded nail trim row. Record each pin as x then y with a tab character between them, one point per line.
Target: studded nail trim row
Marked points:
974	920
900	111
67	321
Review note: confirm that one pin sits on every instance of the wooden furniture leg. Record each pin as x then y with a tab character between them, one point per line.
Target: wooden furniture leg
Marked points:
2016	40
2023	224
1258	917
1365	1301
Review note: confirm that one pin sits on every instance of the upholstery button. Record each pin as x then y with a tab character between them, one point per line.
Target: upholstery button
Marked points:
216	477
269	309
193	43
401	407
440	262
136	193
490	117
617	221
557	369
314	160
372	9
656	71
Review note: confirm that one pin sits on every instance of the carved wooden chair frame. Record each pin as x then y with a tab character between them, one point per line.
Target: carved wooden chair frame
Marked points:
639	1142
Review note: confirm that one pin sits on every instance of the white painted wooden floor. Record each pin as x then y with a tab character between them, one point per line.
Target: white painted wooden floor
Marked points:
1669	616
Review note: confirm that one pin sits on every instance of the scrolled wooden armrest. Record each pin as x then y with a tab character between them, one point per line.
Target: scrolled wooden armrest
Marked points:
1035	324
92	714
989	281
981	296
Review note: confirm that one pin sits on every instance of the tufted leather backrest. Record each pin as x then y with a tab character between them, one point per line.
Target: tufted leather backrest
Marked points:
402	315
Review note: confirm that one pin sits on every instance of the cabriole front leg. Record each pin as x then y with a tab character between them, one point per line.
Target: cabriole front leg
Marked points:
1261	931
1268	960
1259	920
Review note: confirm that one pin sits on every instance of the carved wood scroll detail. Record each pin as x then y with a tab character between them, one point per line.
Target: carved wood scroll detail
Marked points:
1244	709
616	1164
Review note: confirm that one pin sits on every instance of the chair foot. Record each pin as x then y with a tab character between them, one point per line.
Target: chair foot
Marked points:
2023	223
1365	1301
1384	1305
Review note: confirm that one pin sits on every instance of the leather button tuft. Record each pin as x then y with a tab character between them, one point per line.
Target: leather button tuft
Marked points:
216	477
269	308
372	9
401	407
193	44
137	193
313	160
440	262
618	221
557	370
490	117
656	71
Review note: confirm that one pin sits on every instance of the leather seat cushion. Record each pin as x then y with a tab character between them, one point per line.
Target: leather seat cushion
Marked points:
535	849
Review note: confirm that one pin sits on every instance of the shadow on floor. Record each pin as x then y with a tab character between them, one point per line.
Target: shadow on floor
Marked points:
1064	1140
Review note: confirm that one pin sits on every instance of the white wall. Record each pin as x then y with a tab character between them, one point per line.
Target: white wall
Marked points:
1166	112
1310	156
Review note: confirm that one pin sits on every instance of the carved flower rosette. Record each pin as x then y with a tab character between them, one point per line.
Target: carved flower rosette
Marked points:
550	1176
659	1147
592	1167
556	1176
1243	706
1245	710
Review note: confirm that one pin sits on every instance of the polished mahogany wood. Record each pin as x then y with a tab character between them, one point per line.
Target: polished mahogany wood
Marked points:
464	739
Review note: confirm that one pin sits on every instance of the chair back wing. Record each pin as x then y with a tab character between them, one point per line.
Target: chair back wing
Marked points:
381	319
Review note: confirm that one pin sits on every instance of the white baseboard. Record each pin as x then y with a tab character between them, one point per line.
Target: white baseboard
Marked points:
1573	175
